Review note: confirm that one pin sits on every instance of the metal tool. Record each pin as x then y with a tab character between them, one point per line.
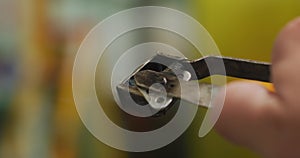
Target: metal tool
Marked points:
161	85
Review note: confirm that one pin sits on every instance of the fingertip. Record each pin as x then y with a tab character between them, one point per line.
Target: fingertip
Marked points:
292	26
291	29
287	37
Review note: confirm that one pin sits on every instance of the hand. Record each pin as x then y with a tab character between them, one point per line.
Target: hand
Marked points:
268	122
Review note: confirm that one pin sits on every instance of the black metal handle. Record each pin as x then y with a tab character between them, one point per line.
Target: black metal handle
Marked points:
240	68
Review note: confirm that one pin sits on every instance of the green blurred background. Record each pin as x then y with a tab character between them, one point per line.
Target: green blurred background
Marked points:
39	40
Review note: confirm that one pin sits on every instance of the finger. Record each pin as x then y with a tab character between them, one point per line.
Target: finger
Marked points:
286	63
248	114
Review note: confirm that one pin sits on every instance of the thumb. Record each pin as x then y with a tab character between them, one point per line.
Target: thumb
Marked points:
249	115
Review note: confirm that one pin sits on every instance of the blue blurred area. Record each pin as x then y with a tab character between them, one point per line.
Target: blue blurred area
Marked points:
8	63
8	87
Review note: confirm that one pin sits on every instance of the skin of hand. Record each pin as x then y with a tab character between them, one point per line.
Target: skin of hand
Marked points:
268	122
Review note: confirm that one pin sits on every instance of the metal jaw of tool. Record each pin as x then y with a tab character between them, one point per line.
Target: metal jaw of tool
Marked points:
161	85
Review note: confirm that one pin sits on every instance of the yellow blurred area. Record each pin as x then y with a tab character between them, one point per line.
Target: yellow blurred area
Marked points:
38	43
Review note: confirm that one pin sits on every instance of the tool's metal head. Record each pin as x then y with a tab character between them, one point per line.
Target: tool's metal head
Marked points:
159	63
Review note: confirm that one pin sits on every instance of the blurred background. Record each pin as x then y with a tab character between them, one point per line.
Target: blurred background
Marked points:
38	43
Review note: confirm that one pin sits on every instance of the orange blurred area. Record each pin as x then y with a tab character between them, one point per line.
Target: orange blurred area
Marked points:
38	44
268	86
